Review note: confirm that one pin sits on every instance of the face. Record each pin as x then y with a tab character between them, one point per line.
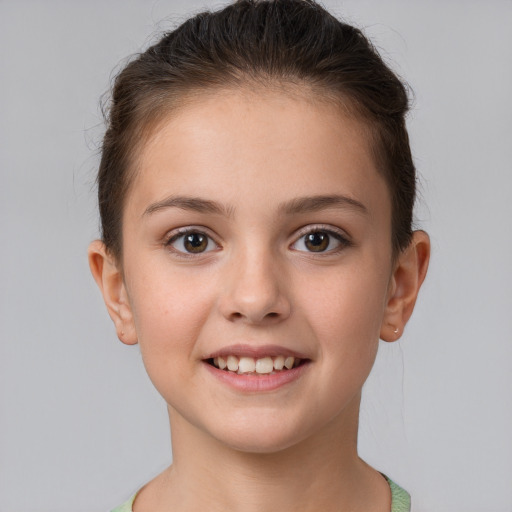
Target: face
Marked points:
257	234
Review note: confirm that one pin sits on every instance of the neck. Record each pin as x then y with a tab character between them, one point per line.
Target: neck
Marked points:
323	472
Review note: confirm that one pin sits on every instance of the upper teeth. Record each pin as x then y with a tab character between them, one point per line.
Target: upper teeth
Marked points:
250	365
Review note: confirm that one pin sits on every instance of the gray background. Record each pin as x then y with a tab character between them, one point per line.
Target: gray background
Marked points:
81	426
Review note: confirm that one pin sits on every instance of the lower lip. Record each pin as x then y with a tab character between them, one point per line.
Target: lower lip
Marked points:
257	383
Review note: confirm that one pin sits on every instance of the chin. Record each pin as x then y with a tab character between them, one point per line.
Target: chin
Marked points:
259	445
261	437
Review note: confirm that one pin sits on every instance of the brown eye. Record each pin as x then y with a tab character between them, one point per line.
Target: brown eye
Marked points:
320	241
317	241
191	242
195	242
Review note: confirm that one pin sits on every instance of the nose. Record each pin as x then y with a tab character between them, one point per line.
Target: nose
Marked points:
254	291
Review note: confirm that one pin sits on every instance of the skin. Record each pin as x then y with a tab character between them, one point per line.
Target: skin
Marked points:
257	283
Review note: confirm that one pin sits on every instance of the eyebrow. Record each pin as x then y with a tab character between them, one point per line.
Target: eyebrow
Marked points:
297	205
310	204
196	204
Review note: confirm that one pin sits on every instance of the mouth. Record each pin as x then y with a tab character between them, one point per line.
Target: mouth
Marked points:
256	369
267	365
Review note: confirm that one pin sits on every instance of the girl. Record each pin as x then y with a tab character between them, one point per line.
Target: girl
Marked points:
256	191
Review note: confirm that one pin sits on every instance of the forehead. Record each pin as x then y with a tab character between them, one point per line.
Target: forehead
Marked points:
267	143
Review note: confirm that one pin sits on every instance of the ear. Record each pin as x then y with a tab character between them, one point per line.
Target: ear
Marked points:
408	275
109	278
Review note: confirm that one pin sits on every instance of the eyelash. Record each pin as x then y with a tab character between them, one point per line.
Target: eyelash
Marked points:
343	241
181	234
339	236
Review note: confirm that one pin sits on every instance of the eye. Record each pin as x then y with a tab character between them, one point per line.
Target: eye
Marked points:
191	242
320	240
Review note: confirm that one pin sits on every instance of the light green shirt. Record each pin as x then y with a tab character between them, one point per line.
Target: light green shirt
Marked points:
400	500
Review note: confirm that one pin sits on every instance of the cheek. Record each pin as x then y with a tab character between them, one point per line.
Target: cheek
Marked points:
346	310
169	311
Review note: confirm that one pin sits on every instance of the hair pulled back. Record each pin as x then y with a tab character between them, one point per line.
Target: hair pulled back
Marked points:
265	42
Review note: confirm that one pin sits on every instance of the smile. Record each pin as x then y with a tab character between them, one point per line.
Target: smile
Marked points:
255	366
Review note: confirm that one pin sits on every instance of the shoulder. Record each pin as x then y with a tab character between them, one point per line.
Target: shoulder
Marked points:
126	506
400	498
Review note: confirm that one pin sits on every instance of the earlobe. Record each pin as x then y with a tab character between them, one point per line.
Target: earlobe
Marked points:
408	276
110	281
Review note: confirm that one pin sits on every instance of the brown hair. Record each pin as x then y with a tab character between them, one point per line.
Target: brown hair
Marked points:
295	42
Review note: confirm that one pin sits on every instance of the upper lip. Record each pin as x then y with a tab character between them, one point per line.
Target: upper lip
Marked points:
243	350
